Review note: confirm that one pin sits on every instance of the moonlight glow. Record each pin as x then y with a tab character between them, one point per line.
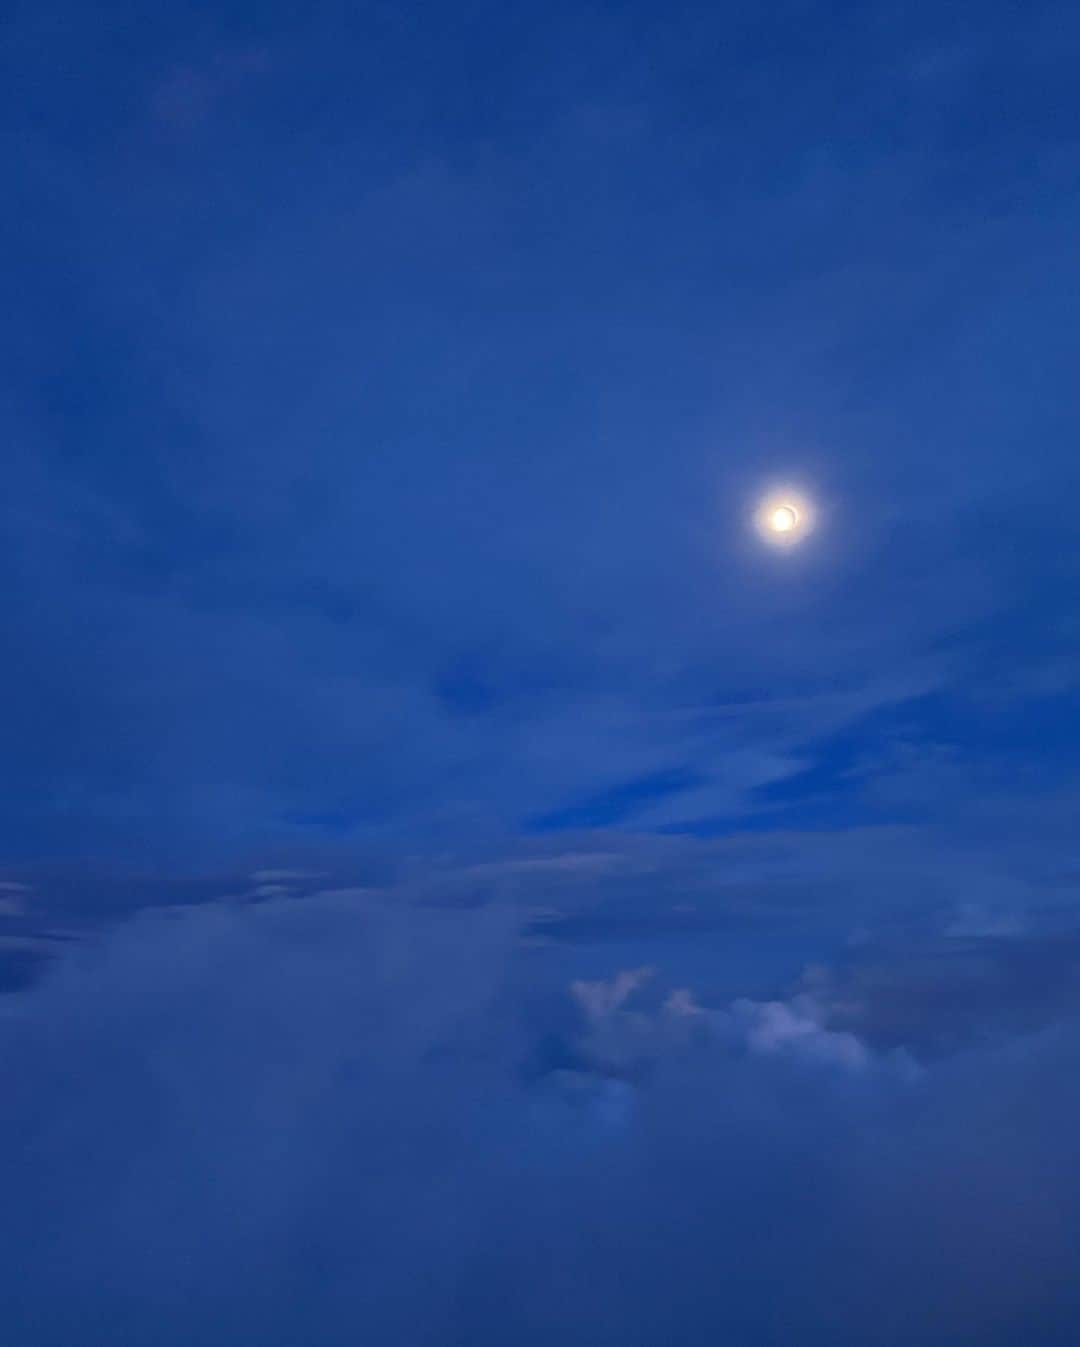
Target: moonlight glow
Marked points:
784	517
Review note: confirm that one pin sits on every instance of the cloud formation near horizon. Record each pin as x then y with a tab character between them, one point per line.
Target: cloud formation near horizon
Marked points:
342	1120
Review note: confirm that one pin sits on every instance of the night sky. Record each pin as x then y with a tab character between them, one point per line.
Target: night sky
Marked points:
460	884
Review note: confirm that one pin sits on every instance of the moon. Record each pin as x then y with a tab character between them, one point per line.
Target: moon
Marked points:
784	516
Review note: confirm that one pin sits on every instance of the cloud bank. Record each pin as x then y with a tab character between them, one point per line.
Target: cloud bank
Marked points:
341	1120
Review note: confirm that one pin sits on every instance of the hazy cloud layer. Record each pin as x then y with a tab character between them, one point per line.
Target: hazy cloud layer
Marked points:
342	1120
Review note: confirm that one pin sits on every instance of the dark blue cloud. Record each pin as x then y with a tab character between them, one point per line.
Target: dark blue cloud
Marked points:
457	886
345	1118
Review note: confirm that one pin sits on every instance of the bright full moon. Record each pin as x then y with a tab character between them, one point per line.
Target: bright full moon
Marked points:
784	517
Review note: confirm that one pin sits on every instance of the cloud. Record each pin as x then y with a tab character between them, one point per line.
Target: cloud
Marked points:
707	907
796	1029
975	919
258	1124
622	1033
600	1000
940	996
284	876
13	898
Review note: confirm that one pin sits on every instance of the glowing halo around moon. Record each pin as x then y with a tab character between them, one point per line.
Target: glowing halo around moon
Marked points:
784	517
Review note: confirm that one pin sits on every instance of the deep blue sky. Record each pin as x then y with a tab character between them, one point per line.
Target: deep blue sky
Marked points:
386	391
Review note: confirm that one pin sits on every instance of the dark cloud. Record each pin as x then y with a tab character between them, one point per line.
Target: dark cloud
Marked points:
747	910
968	989
336	1121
